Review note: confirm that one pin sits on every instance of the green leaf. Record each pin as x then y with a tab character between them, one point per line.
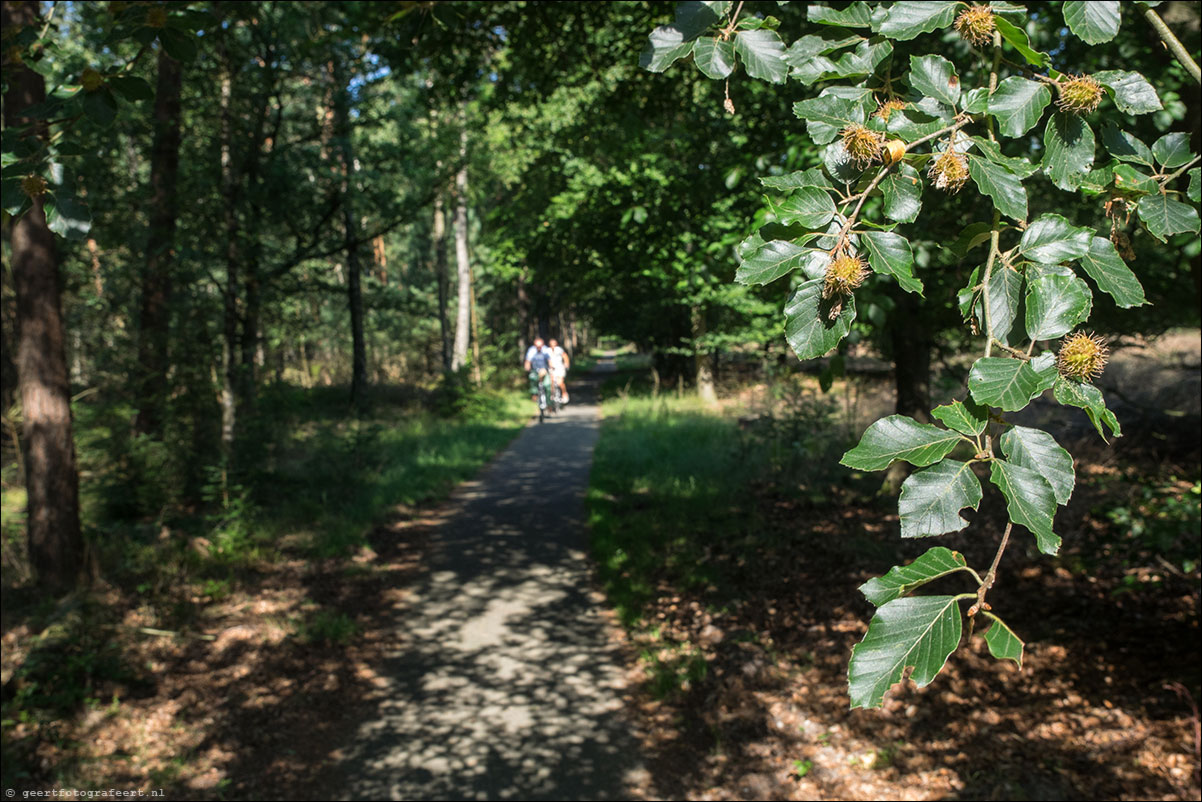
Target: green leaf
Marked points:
808	326
1017	38
763	262
990	150
1093	21
180	45
1132	92
906	20
812	46
100	105
1006	383
826	116
664	46
1165	217
1003	643
931	499
976	100
715	58
937	562
1124	146
899	437
918	631
132	87
797	179
694	18
1088	398
1134	182
1051	239
1005	291
1172	150
763	55
1018	104
972	236
1002	186
810	206
902	189
1069	150
1111	274
1056	305
68	217
1194	192
966	417
889	254
1039	451
856	15
1029	501
934	76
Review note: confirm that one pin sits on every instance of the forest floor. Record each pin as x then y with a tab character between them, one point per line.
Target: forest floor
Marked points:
265	694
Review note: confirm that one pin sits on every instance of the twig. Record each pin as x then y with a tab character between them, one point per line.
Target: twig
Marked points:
991	576
1173	44
1172	176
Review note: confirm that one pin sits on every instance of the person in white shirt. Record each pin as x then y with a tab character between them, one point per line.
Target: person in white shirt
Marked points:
560	362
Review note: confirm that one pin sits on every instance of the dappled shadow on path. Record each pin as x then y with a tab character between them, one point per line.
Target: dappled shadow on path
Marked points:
503	682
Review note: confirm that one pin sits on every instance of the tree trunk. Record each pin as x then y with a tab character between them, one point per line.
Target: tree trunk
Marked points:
910	341
51	481
229	197
155	319
705	360
439	235
464	268
342	121
477	379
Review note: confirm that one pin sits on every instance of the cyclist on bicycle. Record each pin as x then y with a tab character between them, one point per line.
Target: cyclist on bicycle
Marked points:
560	362
537	364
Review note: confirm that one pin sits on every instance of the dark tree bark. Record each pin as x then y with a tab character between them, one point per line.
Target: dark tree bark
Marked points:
910	341
51	480
155	319
354	291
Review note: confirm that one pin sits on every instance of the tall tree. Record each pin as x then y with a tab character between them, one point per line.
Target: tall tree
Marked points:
463	265
155	318
342	122
51	479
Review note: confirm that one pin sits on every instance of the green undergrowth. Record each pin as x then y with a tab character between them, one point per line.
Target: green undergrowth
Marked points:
680	505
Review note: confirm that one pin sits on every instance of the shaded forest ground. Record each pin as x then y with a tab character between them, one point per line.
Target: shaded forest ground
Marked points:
738	586
737	567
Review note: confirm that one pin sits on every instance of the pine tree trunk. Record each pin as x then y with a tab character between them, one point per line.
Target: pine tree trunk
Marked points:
354	290
155	319
51	480
464	268
229	197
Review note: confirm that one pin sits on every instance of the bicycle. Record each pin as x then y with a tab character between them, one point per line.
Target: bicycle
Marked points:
549	396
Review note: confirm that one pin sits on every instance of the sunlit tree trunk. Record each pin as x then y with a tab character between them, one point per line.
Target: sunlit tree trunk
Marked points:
155	319
51	479
439	235
464	268
705	360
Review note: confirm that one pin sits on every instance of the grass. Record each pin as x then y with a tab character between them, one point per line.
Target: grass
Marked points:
315	479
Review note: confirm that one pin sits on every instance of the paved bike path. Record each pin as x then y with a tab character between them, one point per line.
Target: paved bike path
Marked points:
504	683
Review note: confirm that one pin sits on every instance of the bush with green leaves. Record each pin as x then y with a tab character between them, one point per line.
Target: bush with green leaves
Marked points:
892	121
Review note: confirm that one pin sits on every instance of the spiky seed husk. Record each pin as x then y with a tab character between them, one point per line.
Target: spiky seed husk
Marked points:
976	25
33	185
863	145
883	110
843	274
1082	357
91	80
949	171
1079	94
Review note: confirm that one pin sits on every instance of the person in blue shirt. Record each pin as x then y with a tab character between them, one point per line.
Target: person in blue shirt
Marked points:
538	363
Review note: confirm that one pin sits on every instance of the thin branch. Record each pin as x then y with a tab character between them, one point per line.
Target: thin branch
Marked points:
1173	44
991	576
1164	181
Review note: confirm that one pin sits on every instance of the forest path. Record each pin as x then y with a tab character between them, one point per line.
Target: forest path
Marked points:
504	682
